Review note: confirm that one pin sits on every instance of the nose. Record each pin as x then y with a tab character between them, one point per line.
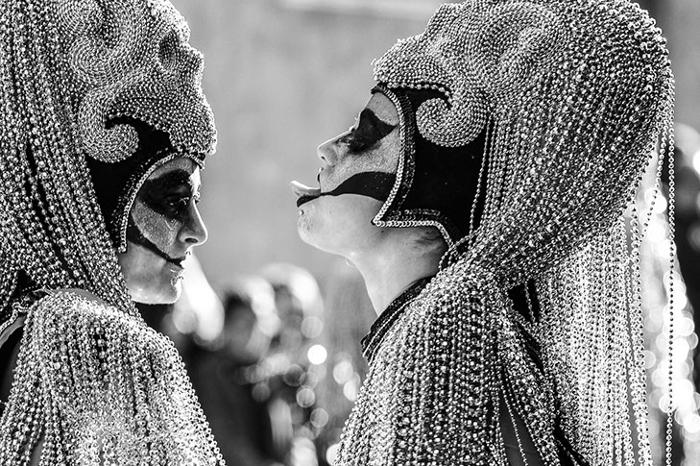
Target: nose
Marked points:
194	232
328	152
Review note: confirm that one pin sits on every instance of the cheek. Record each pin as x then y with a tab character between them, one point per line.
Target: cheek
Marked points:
339	224
384	158
157	228
148	278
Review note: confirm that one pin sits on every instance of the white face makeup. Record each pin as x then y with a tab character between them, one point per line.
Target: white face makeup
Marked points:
164	226
337	220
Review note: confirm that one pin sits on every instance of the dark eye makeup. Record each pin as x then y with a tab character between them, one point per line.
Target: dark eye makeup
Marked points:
170	194
369	131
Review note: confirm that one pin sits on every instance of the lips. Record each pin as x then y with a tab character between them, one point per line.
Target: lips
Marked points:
304	193
176	261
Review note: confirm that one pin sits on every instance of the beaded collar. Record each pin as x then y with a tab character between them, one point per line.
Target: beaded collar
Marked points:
370	343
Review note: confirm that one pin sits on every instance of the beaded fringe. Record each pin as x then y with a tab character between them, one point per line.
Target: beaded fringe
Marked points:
95	386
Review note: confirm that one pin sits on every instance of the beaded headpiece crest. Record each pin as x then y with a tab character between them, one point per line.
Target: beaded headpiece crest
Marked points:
573	97
133	59
478	54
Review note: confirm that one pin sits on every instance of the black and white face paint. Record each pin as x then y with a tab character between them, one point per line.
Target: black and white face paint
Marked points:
164	226
357	174
357	161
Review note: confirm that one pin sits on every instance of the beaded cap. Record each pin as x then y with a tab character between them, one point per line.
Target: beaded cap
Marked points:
479	54
93	384
133	59
574	96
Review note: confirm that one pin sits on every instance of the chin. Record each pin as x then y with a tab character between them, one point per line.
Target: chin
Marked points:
312	234
168	292
339	225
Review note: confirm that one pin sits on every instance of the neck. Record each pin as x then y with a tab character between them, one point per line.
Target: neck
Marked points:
391	269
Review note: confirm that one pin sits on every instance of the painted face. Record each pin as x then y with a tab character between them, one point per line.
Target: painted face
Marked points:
357	173
164	226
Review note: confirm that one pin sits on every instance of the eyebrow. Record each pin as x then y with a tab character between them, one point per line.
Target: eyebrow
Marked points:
384	126
172	179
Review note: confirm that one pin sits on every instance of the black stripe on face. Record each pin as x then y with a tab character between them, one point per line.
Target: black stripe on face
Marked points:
169	195
369	131
134	234
377	185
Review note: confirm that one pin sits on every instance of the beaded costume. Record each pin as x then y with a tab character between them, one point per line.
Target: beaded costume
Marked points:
88	82
572	97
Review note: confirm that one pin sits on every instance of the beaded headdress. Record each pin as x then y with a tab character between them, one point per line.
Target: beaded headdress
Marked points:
489	59
81	79
75	70
573	97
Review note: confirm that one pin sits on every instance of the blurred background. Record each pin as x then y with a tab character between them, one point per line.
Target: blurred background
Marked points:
273	348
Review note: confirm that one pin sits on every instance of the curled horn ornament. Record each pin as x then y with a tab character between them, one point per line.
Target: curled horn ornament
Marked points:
119	53
513	45
479	54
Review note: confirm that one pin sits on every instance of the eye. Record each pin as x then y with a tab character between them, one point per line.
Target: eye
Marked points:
351	130
348	138
179	204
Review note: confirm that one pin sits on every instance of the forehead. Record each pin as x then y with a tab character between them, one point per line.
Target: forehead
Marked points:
177	164
384	108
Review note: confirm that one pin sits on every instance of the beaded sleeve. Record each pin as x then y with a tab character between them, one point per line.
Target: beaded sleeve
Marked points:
99	387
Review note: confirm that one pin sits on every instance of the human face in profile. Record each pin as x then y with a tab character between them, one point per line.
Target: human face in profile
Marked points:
357	172
164	226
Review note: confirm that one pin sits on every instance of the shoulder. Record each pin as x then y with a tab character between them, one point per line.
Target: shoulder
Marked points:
77	314
453	304
433	360
448	325
75	332
73	297
74	303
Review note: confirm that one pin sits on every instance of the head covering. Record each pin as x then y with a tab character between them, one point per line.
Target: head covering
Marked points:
503	66
562	103
435	185
118	183
110	84
112	89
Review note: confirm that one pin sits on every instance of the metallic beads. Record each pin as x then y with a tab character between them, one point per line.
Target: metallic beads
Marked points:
100	387
576	95
479	52
133	60
91	378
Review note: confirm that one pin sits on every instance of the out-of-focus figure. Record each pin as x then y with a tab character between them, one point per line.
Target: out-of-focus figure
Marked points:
296	361
252	426
688	231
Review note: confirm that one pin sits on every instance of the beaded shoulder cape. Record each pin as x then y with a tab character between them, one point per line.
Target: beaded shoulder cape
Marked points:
94	385
456	356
